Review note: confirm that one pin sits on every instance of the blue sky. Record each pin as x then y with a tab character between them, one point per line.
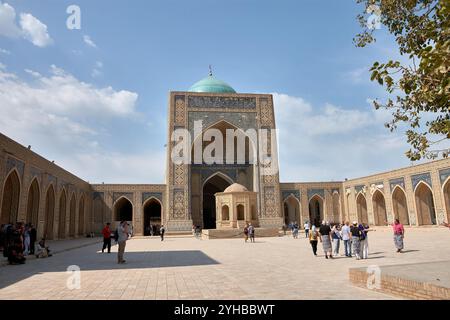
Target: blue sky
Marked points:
95	100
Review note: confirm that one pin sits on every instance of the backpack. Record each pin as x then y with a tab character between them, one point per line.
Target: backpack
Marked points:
116	235
362	234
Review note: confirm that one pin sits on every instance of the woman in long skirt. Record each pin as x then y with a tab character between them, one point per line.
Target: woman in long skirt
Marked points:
325	238
399	235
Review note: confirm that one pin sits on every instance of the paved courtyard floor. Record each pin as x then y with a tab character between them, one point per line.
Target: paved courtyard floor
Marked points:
189	268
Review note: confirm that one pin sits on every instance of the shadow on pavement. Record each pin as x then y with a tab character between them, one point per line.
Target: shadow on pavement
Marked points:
95	260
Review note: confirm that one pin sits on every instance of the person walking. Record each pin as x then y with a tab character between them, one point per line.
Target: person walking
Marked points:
313	239
162	230
346	237
33	238
399	235
336	237
26	240
325	238
251	232
306	226
355	233
123	237
295	233
246	232
106	232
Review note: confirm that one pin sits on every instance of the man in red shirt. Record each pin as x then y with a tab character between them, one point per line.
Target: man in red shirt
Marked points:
106	238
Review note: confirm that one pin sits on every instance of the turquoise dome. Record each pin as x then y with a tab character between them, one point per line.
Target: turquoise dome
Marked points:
211	84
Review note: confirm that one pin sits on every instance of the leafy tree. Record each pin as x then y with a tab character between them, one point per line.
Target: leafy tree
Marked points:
422	31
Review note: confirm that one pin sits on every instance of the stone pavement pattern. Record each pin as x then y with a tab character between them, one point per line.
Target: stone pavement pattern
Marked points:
189	268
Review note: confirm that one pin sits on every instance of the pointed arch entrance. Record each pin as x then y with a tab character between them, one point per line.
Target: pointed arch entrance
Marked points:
216	183
33	203
426	214
316	210
49	213
10	201
379	209
361	208
72	213
152	216
400	206
62	215
123	210
291	210
81	216
446	191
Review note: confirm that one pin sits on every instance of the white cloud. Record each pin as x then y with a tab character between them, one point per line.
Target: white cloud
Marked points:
61	92
34	30
31	28
64	119
8	26
2	66
96	72
332	143
358	75
33	73
87	39
5	51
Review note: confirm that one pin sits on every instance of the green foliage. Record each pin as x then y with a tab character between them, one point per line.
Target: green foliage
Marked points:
422	31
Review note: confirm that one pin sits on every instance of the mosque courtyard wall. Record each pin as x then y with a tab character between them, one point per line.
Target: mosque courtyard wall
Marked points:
62	205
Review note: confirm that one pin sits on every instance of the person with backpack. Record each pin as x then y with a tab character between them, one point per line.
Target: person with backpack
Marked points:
106	238
356	239
364	240
313	239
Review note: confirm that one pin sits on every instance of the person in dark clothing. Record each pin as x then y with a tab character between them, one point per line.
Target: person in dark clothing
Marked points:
162	230
33	238
106	238
15	254
325	238
356	239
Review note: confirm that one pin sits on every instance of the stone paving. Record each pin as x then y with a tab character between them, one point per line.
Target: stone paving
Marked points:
190	268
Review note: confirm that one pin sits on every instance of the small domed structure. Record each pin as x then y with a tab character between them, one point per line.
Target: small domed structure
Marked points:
211	84
235	207
235	187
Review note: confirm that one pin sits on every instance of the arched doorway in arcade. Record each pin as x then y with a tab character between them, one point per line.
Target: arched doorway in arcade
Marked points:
152	217
123	210
49	213
291	210
400	206
316	210
10	202
33	203
446	191
361	208
379	209
426	214
216	183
